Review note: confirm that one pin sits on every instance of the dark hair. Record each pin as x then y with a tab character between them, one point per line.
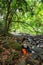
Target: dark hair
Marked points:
23	39
22	46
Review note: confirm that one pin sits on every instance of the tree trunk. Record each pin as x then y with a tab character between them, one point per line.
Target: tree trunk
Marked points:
7	20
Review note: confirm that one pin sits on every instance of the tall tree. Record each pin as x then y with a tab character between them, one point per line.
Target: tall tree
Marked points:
24	16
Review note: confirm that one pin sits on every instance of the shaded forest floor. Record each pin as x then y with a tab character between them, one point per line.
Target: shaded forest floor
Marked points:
10	50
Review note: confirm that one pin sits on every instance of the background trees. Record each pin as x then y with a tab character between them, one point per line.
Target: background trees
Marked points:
23	16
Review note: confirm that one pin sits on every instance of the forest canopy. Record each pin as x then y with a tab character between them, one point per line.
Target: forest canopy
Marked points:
21	16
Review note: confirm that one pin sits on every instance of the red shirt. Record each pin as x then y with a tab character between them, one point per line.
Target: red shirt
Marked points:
24	51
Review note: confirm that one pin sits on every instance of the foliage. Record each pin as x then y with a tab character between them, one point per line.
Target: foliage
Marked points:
7	46
21	16
16	46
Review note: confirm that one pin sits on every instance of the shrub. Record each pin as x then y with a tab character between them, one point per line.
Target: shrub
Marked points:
16	46
6	45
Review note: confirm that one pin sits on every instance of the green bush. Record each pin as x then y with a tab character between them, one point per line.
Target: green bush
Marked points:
16	46
6	45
